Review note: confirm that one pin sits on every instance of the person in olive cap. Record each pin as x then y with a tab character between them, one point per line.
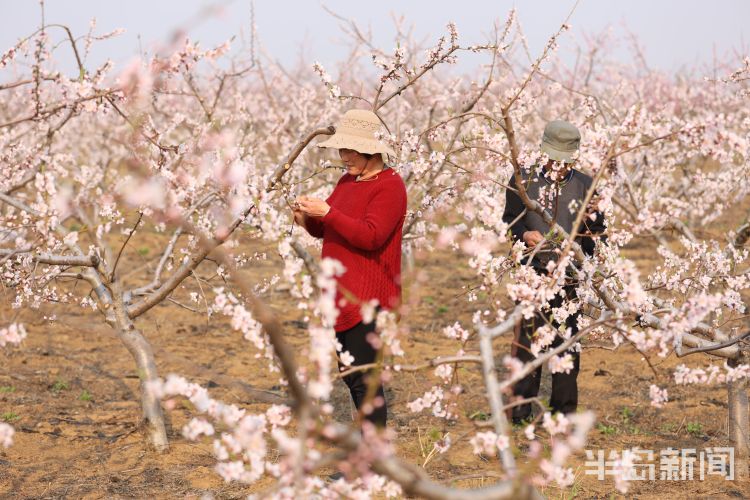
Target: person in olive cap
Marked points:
561	190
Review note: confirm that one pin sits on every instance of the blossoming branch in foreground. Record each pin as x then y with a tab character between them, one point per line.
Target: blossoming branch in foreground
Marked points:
242	451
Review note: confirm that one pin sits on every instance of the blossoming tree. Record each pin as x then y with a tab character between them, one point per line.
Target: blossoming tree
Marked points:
195	147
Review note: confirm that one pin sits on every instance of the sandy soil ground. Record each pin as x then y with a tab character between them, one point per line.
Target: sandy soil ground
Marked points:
71	392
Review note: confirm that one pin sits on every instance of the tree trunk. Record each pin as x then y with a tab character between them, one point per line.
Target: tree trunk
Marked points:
143	355
144	359
739	424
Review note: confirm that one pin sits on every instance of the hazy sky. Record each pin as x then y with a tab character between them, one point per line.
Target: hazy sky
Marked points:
674	33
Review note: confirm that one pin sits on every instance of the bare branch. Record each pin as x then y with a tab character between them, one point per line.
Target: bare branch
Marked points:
495	397
56	260
727	349
414	368
377	105
119	254
55	109
415	481
296	151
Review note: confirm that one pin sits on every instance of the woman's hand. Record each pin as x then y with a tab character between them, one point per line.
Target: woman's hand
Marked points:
314	207
299	217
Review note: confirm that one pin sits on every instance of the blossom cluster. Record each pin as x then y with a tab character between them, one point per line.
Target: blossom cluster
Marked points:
179	147
12	334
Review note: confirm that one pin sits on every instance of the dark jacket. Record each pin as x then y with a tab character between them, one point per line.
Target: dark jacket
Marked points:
559	198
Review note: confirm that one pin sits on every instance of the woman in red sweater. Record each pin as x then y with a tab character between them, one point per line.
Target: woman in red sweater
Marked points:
361	224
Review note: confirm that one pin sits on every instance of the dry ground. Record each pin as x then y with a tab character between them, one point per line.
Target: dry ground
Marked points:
70	391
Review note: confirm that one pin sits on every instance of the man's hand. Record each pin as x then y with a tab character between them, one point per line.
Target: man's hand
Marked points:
532	238
313	207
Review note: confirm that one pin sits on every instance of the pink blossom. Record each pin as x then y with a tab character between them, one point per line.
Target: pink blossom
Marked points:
279	415
529	432
431	399
443	444
368	309
346	358
559	424
444	371
561	364
563	476
6	435
197	427
543	338
231	471
513	365
658	396
488	443
333	90
456	331
12	334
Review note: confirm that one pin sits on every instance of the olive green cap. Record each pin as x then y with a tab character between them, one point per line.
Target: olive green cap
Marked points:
560	140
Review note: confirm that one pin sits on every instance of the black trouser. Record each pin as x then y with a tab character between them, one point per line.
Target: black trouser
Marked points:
355	341
564	398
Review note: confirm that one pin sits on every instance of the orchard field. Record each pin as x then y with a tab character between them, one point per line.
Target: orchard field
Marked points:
69	447
166	332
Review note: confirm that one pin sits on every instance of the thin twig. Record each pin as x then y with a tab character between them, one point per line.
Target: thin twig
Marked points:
119	254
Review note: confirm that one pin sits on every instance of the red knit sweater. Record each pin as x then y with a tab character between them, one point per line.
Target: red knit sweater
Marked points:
363	231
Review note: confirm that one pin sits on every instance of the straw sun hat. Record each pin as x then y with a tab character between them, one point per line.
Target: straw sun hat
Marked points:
356	130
